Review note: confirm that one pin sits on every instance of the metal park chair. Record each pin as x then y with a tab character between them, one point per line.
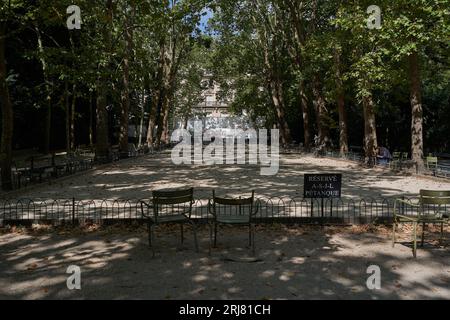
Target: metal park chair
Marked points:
430	207
431	163
396	159
169	207
405	156
241	212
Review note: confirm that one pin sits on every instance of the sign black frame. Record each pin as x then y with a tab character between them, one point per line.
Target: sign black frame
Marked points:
331	183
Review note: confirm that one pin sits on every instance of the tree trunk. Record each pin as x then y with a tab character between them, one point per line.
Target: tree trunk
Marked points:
370	132
48	114
72	118
102	143
67	108
324	141
152	118
141	123
157	94
91	119
416	112
165	139
123	134
340	97
305	114
7	117
278	101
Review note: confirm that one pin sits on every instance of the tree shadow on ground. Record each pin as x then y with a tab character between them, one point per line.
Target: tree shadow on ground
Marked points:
136	178
302	262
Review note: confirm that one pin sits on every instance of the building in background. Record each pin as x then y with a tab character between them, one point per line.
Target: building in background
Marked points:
212	105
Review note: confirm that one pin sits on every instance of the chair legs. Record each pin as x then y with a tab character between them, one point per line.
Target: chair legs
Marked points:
423	234
252	227
210	238
414	235
182	233
215	235
194	229
415	239
251	236
150	237
393	233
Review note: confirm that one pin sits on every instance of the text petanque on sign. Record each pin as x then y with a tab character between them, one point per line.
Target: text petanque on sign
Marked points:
324	185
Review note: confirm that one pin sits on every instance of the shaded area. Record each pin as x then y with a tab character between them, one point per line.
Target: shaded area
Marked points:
292	263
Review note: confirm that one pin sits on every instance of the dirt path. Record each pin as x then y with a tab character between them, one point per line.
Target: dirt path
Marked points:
135	178
292	263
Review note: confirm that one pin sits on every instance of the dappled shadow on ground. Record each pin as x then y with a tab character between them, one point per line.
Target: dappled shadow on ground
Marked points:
290	263
135	178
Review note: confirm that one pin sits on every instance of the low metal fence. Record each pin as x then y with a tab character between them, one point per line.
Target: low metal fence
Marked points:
272	210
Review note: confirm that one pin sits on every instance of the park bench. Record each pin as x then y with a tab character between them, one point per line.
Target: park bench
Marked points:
169	207
44	167
76	162
442	170
234	211
430	207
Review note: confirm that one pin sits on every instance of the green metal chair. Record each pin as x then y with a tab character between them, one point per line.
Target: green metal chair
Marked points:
405	156
431	163
430	207
396	158
244	211
169	207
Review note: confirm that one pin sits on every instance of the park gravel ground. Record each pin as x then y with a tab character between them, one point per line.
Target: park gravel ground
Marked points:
295	262
135	179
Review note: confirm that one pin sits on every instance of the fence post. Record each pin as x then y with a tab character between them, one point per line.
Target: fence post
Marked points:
403	205
73	210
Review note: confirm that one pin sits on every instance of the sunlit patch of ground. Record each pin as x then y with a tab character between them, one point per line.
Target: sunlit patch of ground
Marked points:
135	178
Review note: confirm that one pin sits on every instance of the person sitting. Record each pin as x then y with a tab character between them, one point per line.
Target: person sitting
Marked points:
384	156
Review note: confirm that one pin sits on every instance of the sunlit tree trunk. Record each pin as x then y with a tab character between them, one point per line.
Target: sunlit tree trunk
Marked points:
416	112
321	115
7	117
141	122
370	132
340	99
152	118
156	95
305	116
164	134
276	93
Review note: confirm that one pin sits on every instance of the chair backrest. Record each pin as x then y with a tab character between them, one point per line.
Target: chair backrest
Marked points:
161	197
172	202
435	197
238	203
431	161
396	155
405	156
